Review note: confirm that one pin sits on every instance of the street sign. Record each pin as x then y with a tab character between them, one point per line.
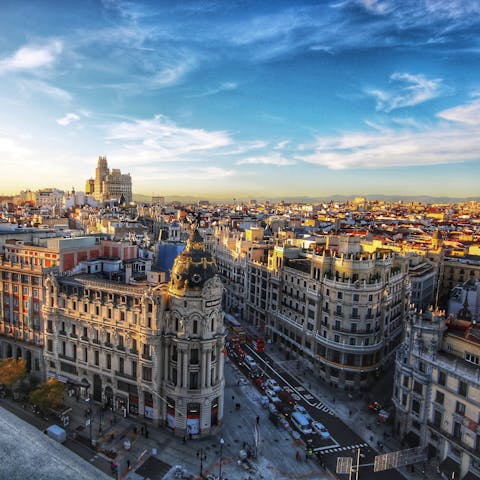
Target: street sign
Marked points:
399	459
87	422
344	464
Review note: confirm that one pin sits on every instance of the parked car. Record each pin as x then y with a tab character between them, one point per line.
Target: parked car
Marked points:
273	385
320	428
250	361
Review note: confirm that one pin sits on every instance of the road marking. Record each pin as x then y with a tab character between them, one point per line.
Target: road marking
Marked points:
329	449
298	389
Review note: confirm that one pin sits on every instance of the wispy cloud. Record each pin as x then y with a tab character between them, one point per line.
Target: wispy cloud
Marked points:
68	119
433	145
468	114
165	139
274	159
407	90
223	87
32	57
44	88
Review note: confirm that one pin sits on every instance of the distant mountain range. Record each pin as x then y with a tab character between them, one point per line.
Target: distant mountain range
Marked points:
309	199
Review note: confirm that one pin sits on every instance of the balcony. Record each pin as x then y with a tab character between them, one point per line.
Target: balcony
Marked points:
346	347
146	357
125	375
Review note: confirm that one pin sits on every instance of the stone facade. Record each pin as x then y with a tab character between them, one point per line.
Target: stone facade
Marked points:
437	391
153	351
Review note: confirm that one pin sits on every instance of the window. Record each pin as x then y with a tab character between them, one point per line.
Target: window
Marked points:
460	408
134	368
353	341
147	374
109	361
472	358
406	381
195	327
462	388
50	345
442	378
336	338
339	310
353	327
440	397
457	430
85	354
121	365
437	418
97	358
194	356
193	380
356	297
370	298
416	406
339	295
417	387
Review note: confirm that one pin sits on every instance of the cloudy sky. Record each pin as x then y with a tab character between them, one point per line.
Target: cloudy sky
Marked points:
242	98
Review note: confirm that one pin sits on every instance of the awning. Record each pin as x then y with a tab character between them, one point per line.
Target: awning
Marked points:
450	468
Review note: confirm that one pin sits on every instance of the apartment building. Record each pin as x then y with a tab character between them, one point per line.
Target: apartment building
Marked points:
340	310
150	349
437	391
23	266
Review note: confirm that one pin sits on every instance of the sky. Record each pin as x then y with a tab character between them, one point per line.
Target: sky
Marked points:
242	99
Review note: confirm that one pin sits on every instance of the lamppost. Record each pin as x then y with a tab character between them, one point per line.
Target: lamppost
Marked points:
222	441
203	456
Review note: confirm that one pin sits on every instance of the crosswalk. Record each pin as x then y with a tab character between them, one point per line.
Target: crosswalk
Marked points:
327	450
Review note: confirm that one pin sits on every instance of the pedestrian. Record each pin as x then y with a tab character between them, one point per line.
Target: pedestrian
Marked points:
298	457
349	413
306	456
146	433
258	419
128	464
233	398
190	436
142	430
184	439
238	383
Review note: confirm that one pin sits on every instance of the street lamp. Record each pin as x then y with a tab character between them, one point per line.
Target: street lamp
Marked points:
222	441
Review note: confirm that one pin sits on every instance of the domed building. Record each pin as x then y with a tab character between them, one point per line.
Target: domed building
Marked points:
194	343
151	349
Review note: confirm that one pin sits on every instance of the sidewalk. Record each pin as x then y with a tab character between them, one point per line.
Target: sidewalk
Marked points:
352	411
276	451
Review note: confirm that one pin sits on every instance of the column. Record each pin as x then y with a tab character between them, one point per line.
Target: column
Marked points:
208	366
203	366
179	368
166	358
185	368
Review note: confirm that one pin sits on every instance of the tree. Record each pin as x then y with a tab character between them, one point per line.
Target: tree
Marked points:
48	394
12	370
26	385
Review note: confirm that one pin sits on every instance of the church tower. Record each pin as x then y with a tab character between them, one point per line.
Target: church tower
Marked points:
194	343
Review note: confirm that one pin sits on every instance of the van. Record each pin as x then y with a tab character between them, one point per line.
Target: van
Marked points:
251	362
56	433
301	423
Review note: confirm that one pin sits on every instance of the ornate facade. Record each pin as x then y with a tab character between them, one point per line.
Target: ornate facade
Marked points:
154	351
437	391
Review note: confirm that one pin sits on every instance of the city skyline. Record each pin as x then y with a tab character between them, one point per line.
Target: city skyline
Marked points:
243	99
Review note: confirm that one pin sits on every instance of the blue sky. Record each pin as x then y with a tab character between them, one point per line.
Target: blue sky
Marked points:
243	99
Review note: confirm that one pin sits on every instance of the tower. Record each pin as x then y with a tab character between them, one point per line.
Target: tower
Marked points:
194	344
100	173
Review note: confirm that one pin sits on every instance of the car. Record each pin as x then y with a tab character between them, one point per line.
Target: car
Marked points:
272	395
299	409
250	361
273	385
375	407
319	428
